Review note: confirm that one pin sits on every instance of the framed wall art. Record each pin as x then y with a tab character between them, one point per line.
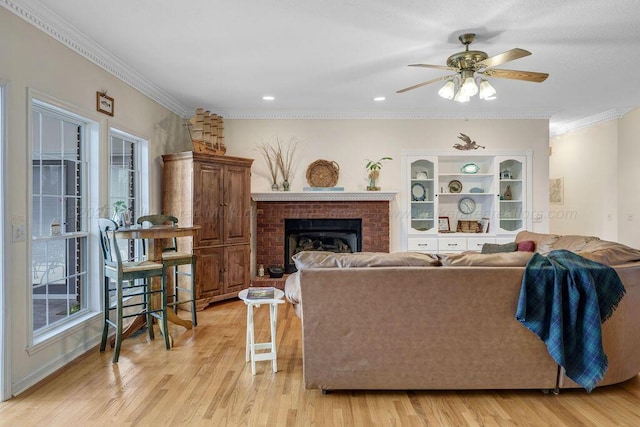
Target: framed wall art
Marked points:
443	224
105	104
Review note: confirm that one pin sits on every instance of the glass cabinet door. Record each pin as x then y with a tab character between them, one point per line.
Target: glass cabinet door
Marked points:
512	196
422	195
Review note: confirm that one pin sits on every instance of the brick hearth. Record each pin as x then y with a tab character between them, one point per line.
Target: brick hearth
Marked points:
270	218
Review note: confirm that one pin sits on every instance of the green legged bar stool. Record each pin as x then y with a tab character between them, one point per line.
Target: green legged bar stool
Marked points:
171	257
135	297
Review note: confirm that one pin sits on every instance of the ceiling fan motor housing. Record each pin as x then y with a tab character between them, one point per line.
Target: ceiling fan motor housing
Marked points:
466	60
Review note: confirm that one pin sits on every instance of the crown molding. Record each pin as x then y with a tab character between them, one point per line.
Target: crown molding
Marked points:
387	115
589	121
51	24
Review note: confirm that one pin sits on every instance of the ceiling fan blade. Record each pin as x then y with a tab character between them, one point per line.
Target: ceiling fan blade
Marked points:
503	57
438	67
425	83
530	76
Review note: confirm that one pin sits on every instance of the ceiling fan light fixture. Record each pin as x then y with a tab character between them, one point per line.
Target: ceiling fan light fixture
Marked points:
469	86
487	91
461	96
448	90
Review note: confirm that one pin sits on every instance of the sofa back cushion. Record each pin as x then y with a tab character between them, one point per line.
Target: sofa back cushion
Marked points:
609	253
573	243
321	259
475	259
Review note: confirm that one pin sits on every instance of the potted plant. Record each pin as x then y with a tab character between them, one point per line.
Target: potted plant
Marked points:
374	172
119	210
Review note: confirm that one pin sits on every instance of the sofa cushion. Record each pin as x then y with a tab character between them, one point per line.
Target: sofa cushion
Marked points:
527	246
544	242
494	248
573	243
321	259
475	259
609	253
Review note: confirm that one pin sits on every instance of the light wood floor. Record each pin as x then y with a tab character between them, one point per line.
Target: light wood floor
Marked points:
204	380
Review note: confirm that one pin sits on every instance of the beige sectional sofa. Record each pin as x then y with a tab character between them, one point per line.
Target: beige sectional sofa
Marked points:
416	321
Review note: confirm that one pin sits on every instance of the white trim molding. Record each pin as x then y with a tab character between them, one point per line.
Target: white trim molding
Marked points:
586	122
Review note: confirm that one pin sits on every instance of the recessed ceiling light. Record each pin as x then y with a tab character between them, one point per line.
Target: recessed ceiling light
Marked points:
379	98
268	98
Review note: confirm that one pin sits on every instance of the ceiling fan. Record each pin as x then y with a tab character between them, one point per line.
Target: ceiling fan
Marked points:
469	63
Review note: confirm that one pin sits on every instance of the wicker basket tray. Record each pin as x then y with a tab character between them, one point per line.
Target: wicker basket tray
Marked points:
323	173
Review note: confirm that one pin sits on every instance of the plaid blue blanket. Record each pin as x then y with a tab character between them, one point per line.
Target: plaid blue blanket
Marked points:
564	299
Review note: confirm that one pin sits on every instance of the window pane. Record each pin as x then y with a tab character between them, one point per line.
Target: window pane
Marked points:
59	267
51	136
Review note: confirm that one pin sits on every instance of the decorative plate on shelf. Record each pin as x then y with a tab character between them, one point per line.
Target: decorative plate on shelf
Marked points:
455	186
418	192
470	168
323	173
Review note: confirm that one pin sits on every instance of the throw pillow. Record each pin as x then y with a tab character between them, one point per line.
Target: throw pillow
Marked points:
493	248
527	246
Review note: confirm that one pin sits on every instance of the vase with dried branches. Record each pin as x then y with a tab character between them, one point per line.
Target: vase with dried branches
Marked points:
271	159
285	157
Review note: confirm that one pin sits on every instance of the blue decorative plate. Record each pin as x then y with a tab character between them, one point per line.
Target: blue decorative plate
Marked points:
418	192
470	168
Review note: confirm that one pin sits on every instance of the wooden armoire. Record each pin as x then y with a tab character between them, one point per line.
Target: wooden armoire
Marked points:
214	193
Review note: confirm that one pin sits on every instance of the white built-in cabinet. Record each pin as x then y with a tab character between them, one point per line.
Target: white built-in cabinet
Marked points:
442	190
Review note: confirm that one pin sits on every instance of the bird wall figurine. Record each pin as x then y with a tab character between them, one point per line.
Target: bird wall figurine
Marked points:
468	143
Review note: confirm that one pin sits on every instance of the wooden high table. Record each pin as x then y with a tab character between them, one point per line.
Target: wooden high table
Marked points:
154	236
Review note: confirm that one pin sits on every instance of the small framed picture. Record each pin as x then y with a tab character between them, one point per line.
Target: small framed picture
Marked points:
485	225
443	224
105	104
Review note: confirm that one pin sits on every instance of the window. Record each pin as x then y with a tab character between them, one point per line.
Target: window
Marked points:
58	217
124	182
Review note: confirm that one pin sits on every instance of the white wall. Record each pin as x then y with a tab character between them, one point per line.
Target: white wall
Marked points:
587	159
629	178
602	180
31	59
351	142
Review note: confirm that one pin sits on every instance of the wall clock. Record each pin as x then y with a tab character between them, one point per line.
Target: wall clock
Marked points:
466	205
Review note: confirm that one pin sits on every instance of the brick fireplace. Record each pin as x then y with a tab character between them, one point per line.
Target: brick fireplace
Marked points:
270	216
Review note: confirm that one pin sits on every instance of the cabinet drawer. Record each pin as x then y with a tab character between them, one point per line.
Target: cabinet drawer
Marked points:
422	245
452	244
475	243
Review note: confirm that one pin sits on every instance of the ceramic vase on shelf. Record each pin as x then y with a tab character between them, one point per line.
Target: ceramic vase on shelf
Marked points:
507	193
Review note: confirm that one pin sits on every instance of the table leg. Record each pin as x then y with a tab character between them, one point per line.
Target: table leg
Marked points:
273	311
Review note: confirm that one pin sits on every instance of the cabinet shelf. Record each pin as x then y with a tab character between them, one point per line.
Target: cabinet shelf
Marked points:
424	219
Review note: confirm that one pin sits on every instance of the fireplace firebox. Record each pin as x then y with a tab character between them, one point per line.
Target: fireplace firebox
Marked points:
325	234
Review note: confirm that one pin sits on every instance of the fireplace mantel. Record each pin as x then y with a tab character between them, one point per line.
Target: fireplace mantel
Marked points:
320	196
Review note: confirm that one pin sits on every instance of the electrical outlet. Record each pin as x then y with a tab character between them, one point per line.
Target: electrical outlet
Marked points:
629	217
18	232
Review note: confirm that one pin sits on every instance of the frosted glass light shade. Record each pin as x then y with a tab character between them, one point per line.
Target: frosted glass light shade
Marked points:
486	90
469	87
448	90
461	96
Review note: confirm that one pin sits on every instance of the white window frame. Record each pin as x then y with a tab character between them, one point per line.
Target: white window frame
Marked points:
5	294
91	129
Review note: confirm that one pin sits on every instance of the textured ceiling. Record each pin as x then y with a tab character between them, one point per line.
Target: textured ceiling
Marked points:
329	58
